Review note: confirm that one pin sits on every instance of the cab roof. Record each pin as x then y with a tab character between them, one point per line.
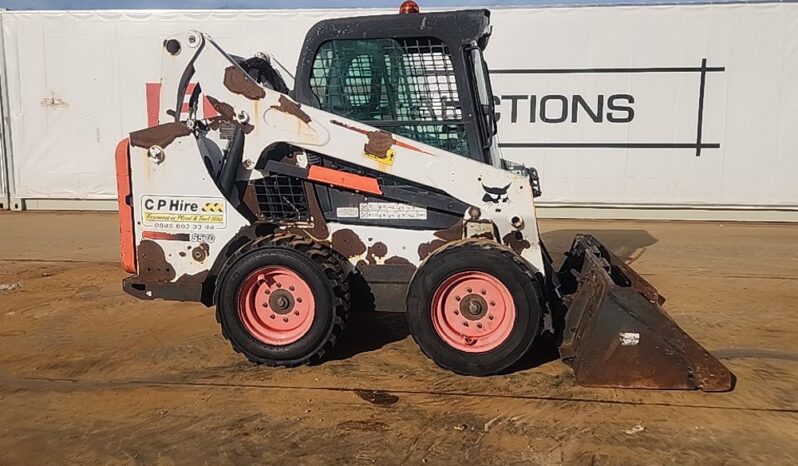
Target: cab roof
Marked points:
462	26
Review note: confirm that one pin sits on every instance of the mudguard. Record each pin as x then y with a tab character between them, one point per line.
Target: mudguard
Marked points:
617	335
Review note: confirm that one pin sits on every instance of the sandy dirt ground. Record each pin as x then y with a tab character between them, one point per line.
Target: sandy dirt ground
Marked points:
90	375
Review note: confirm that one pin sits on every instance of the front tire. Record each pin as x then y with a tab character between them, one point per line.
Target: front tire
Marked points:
474	307
283	300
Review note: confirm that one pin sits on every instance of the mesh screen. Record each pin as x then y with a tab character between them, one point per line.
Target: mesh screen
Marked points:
405	86
281	197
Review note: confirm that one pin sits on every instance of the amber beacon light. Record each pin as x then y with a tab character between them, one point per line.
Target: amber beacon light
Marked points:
409	6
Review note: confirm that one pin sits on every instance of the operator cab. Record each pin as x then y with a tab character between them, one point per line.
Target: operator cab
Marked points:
418	75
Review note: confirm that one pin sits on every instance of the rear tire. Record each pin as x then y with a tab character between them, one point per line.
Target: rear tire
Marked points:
283	300
474	307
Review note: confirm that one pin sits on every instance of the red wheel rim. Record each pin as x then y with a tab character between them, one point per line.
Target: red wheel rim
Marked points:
473	312
276	305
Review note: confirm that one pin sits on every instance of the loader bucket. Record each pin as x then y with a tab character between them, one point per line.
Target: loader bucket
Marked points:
617	335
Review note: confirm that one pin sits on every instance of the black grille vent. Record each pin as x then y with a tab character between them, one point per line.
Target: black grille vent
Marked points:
281	197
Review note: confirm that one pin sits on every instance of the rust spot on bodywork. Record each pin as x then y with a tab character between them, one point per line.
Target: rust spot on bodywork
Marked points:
376	250
152	262
396	260
447	235
238	82
196	279
515	240
226	113
425	249
161	135
200	253
290	107
453	233
367	132
348	243
251	201
379	143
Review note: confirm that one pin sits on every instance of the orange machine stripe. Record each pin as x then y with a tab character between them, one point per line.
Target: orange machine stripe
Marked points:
125	211
345	180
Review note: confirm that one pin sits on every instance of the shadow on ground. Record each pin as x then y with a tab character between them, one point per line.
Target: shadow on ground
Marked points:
543	351
372	330
628	245
368	331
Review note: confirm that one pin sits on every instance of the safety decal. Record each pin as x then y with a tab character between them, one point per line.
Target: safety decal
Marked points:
391	211
183	212
385	157
347	212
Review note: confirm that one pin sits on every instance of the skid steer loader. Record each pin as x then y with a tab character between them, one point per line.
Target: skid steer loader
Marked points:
378	174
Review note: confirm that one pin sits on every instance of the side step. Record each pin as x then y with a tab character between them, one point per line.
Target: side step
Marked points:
617	335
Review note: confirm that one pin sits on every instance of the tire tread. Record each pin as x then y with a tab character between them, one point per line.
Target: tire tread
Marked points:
332	267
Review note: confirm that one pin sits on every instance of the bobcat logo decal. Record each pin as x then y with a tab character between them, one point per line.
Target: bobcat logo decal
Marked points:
495	196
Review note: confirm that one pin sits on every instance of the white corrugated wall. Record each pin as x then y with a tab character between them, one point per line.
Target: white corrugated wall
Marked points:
4	130
667	108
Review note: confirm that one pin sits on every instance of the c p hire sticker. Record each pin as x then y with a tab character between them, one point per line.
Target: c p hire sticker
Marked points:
181	212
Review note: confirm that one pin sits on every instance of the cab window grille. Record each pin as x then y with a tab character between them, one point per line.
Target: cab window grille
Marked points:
405	86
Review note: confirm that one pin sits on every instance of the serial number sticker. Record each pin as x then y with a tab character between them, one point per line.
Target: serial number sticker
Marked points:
183	212
391	210
347	212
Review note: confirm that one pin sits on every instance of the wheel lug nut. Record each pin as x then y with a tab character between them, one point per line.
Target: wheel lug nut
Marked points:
267	292
479	325
296	313
490	316
457	313
272	316
493	303
483	292
279	285
285	319
265	305
299	300
465	323
291	288
457	298
469	290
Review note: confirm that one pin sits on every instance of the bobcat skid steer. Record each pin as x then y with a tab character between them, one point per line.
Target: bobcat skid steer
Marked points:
378	175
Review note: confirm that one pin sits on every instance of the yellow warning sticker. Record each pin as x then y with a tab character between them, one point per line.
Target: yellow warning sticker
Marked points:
387	159
213	207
